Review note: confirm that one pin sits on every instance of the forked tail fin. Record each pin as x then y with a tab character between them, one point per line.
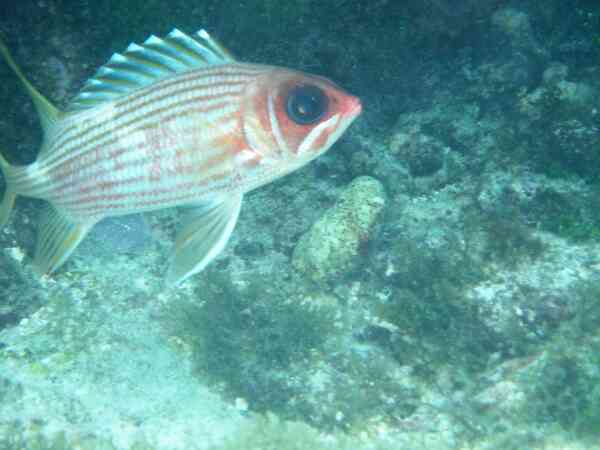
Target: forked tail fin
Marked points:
48	114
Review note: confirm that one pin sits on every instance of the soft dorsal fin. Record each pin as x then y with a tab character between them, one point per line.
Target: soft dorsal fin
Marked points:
142	65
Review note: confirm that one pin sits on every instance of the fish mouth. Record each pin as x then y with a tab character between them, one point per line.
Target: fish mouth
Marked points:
352	107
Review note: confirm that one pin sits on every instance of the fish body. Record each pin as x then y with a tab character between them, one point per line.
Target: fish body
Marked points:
173	122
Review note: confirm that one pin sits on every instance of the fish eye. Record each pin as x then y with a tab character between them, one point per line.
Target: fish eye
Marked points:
306	104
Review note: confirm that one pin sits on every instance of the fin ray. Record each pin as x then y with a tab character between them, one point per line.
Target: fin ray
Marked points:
58	237
203	236
8	200
141	65
47	112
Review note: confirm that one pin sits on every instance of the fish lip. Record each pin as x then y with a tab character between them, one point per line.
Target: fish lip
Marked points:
353	106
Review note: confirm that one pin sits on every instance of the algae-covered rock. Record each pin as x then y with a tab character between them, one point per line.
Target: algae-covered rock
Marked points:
331	247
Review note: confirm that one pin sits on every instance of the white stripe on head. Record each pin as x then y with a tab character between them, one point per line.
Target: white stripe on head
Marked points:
310	139
275	125
255	140
342	127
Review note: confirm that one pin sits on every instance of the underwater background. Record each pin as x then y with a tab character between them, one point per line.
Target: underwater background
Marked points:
432	282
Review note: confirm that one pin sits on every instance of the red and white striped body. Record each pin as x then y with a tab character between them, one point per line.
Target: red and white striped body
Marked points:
192	137
174	121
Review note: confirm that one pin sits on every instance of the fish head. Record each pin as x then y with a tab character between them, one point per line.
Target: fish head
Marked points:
290	117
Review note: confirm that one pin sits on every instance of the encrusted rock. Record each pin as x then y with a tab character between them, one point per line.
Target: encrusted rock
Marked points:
331	247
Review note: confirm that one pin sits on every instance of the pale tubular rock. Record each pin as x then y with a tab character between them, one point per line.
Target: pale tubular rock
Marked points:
331	247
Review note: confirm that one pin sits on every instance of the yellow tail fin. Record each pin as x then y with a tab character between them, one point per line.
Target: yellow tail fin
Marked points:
47	112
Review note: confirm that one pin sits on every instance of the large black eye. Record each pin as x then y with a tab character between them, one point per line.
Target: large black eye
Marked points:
306	104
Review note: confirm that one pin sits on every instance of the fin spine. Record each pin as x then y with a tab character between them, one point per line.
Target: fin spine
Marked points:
143	64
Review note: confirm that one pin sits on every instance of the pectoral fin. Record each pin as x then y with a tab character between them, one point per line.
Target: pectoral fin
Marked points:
205	232
58	237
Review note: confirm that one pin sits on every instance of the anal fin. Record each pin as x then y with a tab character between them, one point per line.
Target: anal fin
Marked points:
6	206
205	232
58	237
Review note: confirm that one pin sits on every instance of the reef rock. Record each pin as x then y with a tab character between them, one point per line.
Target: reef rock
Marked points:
332	245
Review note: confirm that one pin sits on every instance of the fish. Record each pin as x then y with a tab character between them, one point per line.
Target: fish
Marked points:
173	122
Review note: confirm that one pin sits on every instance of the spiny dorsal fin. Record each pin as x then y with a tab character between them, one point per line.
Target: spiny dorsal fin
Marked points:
142	65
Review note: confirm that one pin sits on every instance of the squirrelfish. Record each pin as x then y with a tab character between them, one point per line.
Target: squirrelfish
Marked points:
176	121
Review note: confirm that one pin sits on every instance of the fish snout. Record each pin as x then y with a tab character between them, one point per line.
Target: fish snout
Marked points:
352	106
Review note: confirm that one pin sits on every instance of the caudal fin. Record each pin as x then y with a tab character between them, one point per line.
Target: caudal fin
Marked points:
8	200
16	178
47	111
